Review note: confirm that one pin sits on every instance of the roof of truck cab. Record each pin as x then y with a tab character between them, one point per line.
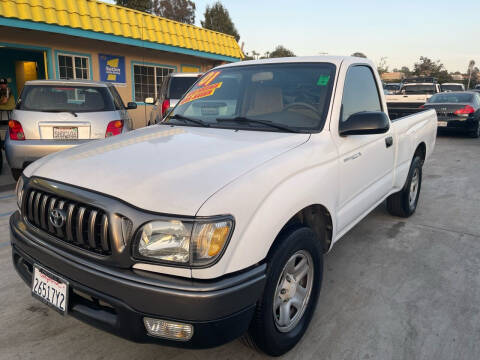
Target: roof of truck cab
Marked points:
336	60
186	74
67	82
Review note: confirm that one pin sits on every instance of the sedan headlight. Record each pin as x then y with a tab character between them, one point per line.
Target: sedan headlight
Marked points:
183	242
19	192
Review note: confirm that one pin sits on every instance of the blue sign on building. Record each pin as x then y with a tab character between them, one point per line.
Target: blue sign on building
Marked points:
112	68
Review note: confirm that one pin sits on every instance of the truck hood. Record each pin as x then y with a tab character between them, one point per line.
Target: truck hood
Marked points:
165	169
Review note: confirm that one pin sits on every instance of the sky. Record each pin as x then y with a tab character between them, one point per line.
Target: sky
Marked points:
401	31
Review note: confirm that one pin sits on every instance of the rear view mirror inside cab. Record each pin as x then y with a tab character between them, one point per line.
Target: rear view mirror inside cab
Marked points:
262	76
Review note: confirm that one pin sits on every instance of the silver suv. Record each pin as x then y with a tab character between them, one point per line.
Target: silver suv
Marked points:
172	90
53	115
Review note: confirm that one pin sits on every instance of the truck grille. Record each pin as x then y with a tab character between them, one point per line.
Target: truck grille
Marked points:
81	225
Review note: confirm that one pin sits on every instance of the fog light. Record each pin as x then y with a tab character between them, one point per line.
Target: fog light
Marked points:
168	329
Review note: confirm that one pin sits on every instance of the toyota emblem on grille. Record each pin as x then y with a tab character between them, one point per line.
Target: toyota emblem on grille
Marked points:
57	217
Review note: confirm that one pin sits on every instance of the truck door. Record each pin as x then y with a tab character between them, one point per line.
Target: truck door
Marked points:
365	161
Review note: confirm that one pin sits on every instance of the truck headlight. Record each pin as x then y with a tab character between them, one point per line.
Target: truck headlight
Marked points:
194	243
19	191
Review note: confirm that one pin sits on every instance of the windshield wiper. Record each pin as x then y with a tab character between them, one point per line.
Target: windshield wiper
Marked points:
59	111
243	119
185	118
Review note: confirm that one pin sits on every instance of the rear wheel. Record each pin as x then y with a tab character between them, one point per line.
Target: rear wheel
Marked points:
476	132
404	203
294	277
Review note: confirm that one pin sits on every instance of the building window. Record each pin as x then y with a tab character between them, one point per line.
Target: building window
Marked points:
148	80
73	67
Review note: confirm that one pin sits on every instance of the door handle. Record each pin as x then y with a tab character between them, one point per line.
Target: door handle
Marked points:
388	141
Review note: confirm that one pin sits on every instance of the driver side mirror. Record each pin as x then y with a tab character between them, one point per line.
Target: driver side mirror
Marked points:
365	123
131	106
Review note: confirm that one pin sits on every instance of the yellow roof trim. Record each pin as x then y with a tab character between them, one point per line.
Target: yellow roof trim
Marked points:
97	16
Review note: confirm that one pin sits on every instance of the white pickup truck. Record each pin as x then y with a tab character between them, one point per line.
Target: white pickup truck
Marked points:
214	224
412	95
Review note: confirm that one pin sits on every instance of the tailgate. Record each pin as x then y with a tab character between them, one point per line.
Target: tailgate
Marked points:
420	99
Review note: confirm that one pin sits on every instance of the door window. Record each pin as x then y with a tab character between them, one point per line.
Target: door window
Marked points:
360	92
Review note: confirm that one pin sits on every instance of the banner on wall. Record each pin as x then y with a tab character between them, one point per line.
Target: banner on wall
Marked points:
112	68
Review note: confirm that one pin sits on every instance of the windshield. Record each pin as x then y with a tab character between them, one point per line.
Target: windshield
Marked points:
273	97
391	87
179	86
68	98
418	89
452	87
451	98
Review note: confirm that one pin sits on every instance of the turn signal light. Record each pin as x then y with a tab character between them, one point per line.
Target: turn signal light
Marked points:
465	110
114	128
16	130
168	329
165	106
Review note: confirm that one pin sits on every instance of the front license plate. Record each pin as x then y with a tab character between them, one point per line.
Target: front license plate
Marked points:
65	133
50	288
442	123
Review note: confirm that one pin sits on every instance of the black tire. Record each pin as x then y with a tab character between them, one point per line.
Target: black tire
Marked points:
399	204
1	161
476	132
16	173
263	333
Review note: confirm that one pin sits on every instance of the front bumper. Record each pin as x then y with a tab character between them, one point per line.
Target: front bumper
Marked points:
21	153
117	299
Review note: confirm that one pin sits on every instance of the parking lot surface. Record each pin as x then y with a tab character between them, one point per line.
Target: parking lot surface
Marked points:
393	288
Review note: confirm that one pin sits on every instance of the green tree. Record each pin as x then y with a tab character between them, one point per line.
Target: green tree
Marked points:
382	66
359	54
140	5
218	19
178	10
428	67
406	71
281	51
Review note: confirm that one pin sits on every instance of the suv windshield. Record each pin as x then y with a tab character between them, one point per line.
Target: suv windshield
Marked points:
452	87
68	98
179	86
391	87
273	97
418	89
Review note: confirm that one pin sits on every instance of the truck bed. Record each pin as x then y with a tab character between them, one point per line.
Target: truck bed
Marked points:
397	112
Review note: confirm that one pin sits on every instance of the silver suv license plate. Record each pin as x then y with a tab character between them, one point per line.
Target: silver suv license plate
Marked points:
50	289
65	133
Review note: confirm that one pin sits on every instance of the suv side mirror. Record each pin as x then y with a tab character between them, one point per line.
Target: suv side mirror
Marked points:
131	106
364	123
149	100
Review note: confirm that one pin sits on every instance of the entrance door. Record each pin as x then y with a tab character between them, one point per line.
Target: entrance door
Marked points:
25	71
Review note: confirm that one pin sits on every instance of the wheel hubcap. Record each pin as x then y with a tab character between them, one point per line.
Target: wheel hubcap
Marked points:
293	291
414	188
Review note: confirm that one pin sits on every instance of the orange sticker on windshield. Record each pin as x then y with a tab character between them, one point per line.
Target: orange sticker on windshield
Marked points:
208	78
205	91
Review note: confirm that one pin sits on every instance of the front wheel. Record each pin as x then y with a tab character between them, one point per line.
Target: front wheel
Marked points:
294	278
404	203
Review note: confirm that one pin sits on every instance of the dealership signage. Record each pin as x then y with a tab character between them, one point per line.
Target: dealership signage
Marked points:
112	68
